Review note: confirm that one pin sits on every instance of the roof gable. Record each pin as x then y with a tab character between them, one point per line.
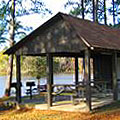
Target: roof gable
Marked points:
57	38
89	33
31	36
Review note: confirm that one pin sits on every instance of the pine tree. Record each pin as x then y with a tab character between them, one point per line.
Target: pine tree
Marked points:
105	14
8	15
95	10
113	2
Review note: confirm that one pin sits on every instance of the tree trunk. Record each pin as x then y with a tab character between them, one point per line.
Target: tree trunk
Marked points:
95	8
11	35
38	85
105	15
9	80
83	9
113	2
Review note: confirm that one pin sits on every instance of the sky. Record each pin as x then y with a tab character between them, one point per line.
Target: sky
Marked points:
55	6
36	20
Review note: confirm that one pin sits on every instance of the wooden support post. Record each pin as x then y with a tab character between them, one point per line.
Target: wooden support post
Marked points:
114	76
76	73
94	68
49	78
87	79
18	77
83	69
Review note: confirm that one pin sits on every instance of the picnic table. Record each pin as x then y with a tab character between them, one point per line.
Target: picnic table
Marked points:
29	91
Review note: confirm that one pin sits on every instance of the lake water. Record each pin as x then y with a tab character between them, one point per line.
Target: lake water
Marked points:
58	79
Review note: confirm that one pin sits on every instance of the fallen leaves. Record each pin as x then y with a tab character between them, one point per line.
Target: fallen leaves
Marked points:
32	114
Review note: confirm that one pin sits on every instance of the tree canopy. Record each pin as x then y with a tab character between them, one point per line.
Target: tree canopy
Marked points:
102	11
22	8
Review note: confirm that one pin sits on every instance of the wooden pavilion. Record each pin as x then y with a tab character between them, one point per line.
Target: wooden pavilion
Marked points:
67	36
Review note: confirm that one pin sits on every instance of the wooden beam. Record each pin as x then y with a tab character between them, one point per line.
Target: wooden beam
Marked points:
87	79
59	54
18	78
114	75
49	78
76	73
84	68
68	54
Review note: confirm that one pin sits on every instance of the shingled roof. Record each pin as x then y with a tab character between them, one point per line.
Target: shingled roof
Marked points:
94	34
90	33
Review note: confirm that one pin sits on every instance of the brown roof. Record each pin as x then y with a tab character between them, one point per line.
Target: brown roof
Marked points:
91	33
94	34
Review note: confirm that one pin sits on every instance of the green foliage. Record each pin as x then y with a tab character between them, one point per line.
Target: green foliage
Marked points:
34	66
114	10
56	65
3	63
63	65
22	8
77	8
88	8
40	65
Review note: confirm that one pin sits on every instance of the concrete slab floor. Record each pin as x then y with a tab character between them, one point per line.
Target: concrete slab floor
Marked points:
81	107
